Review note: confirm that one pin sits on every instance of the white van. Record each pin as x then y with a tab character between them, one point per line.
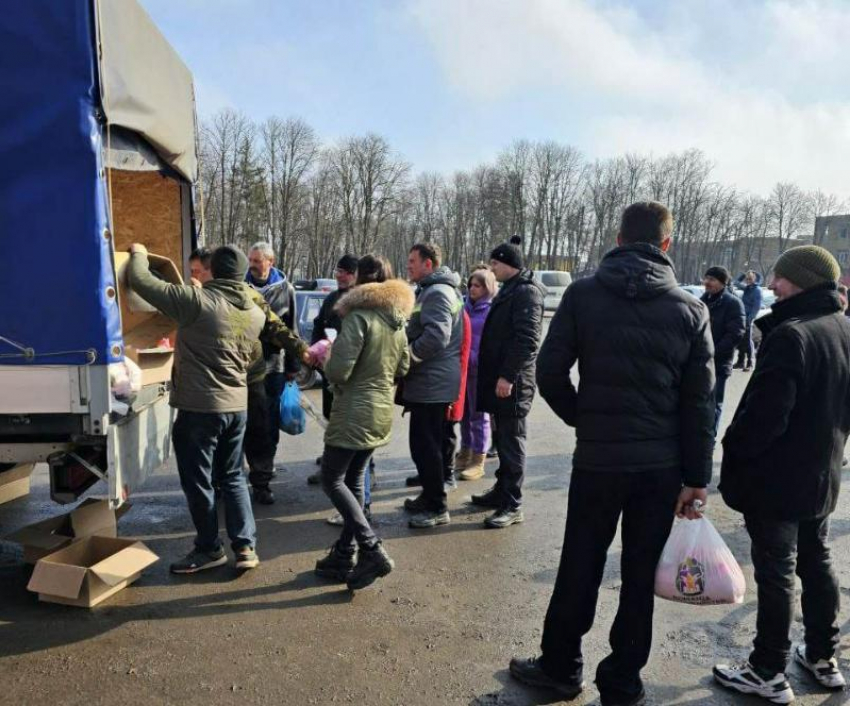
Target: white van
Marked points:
556	283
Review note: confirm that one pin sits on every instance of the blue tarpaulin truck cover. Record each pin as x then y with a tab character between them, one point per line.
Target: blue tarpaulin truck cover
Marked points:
58	303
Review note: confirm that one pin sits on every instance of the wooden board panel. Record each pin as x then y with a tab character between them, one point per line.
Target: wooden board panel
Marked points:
147	209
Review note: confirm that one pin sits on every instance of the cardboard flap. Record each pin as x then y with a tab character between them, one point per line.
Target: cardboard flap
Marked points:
123	564
62	580
93	519
43	535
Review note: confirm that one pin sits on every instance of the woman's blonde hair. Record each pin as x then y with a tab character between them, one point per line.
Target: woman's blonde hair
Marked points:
486	279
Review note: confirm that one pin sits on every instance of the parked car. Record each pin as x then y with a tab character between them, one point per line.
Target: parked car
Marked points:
307	305
315	285
696	290
556	283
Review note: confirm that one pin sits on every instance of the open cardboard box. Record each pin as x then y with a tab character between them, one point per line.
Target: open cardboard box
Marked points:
90	570
15	483
91	517
142	325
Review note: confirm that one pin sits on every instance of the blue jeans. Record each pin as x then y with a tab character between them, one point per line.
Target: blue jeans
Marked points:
208	447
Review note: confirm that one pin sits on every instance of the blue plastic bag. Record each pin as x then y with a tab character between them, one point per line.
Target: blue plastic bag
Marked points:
293	419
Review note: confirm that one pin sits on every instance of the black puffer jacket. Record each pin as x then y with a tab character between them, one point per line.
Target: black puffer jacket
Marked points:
728	323
645	399
509	345
782	454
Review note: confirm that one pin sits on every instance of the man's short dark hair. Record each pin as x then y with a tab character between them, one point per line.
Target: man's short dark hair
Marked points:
429	251
646	222
203	254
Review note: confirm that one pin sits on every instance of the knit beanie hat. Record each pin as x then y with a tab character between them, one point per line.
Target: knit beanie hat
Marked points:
347	263
808	266
509	253
229	262
721	274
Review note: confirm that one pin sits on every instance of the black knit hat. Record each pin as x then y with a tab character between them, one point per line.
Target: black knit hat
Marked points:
509	253
721	274
347	263
229	262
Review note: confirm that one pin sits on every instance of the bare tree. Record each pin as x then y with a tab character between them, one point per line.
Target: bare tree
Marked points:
370	180
790	212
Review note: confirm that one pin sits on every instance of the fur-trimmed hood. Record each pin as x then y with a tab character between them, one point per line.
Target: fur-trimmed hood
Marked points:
393	298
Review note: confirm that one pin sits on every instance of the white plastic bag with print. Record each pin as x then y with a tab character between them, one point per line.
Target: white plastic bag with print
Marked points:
697	567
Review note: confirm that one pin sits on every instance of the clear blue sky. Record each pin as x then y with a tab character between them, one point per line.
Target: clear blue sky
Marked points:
759	85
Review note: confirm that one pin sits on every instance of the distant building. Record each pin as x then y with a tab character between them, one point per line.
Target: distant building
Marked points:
833	233
757	254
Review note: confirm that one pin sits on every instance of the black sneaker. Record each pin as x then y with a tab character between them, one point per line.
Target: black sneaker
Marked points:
417	504
197	560
315	478
503	517
263	495
492	498
372	564
529	671
429	518
413	481
744	679
318	460
739	365
337	564
825	670
367	512
492	453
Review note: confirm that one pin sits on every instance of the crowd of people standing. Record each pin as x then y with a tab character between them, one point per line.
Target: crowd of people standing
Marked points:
653	363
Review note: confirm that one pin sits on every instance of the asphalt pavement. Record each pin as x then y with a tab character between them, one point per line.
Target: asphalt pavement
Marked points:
439	630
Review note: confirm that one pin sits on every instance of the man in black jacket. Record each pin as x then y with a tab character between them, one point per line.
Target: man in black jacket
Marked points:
728	324
782	458
506	364
643	415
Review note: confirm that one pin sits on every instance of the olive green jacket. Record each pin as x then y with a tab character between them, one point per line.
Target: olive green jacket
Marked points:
366	359
218	329
275	333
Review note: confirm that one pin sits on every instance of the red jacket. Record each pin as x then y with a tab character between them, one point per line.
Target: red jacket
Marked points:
455	411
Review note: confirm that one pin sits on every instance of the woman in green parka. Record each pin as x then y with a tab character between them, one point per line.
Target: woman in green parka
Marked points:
368	356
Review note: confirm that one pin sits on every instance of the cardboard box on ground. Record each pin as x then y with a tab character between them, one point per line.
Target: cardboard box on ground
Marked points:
90	570
79	560
15	483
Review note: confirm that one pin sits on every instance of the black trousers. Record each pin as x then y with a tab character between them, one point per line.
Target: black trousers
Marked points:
449	448
509	436
427	437
780	549
646	501
259	450
343	474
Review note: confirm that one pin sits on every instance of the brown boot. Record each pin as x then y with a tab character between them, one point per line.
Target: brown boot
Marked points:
462	459
475	469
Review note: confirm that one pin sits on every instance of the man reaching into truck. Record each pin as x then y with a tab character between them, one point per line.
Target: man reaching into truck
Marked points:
219	325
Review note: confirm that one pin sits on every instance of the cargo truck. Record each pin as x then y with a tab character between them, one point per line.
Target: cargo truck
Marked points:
98	149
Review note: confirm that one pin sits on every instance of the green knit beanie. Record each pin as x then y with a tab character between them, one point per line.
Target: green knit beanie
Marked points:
807	266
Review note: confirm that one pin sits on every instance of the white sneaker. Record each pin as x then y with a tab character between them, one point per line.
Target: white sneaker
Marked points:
745	679
824	670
